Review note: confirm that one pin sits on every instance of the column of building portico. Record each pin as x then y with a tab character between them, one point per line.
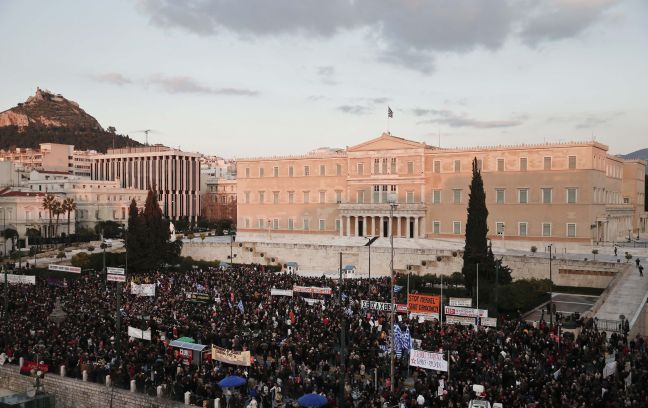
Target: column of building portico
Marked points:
416	228
348	226
355	232
398	227
408	228
342	225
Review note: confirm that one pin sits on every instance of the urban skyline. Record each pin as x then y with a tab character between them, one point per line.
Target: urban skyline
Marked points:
210	78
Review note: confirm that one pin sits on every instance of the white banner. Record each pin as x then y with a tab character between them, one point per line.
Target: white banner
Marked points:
115	271
311	301
423	317
313	290
488	321
465	321
19	279
462	302
281	292
430	361
145	289
464	311
64	268
139	333
115	278
381	306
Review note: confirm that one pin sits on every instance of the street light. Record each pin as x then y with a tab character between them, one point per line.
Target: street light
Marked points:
370	241
550	288
392	206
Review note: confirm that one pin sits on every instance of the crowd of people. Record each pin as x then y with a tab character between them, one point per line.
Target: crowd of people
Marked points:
295	345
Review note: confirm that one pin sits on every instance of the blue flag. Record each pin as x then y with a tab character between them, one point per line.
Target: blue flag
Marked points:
397	288
240	306
397	341
407	340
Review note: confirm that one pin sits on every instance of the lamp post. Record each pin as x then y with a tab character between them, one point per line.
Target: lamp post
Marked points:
342	341
370	241
477	285
392	206
550	287
4	230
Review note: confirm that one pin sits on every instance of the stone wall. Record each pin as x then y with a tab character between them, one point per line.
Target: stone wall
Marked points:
72	393
326	258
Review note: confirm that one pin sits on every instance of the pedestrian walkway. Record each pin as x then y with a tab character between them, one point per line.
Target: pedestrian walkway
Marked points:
626	297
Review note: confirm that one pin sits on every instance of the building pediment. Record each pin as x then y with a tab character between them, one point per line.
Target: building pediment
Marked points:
387	142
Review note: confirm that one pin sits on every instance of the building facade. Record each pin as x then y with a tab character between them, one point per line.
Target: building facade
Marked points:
173	174
548	192
22	210
51	157
96	201
218	187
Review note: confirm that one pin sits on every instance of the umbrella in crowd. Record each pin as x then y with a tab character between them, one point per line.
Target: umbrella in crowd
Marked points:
312	400
232	381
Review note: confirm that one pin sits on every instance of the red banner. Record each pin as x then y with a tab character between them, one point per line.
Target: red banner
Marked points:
423	304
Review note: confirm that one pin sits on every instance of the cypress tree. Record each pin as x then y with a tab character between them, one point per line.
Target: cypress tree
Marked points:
476	249
148	235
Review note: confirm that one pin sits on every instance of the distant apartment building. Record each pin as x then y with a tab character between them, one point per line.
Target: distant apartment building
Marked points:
173	174
546	192
51	157
218	187
96	200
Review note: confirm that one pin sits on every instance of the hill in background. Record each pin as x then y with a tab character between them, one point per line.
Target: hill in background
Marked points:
47	117
641	154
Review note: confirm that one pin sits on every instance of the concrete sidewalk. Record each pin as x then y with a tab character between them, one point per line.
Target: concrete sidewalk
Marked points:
626	298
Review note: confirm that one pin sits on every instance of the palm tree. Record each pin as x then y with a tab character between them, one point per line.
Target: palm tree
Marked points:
48	204
68	206
57	210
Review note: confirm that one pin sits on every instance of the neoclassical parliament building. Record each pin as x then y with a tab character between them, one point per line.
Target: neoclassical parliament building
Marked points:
389	185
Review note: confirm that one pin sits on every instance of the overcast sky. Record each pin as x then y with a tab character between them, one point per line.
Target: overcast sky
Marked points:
259	77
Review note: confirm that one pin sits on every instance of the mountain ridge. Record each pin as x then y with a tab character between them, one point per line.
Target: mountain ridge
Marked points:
49	117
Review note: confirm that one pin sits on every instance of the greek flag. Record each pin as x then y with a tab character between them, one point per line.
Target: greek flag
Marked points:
240	306
397	288
398	341
407	340
390	113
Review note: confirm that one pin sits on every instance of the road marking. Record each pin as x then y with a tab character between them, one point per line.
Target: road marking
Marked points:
573	294
573	303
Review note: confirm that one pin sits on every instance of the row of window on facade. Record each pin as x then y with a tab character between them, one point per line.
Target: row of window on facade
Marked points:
382	193
546	228
390	166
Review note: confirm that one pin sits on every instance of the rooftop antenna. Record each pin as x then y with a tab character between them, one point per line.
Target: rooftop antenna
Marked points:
439	134
146	133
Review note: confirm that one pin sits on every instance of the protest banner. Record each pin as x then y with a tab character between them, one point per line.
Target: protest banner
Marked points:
424	316
145	289
198	297
138	333
19	279
381	306
464	311
312	301
488	321
462	302
313	290
465	321
64	268
281	292
241	358
115	278
430	361
423	304
115	271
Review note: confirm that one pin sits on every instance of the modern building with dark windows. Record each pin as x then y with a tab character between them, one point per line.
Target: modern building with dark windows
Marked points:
173	174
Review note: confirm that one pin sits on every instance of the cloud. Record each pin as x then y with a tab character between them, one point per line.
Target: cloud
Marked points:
553	20
187	85
379	101
114	78
327	74
586	120
354	109
406	33
453	119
